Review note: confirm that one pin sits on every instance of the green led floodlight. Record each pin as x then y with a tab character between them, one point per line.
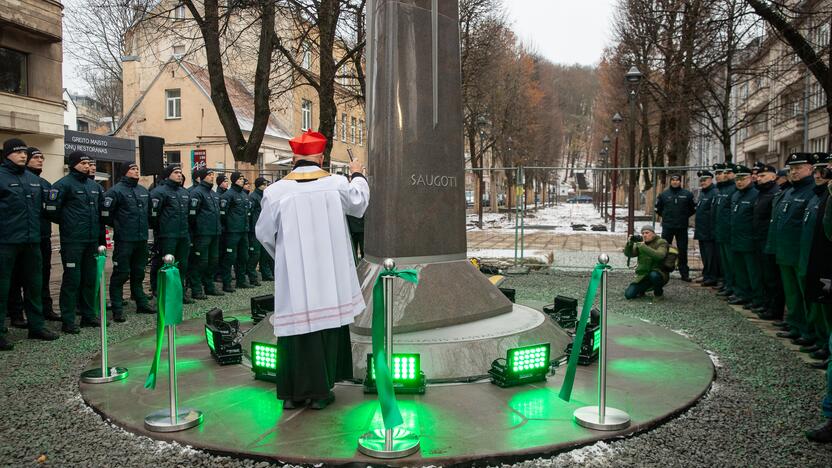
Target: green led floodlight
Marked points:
407	374
596	340
264	360
521	365
209	337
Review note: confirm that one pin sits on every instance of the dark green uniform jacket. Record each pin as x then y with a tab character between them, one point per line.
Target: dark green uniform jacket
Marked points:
74	203
21	202
762	210
206	206
45	224
722	211
255	199
236	207
812	219
742	219
789	219
704	230
675	206
169	208
771	246
126	209
650	257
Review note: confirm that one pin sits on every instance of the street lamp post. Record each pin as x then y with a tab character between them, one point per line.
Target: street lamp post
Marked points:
616	120
633	78
602	179
606	175
481	123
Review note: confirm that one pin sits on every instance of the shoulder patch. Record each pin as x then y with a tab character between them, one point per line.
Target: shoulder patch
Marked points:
108	202
155	202
223	203
53	194
194	202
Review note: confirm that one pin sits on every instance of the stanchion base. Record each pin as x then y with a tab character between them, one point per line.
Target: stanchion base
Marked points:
159	421
96	376
614	419
404	443
518	270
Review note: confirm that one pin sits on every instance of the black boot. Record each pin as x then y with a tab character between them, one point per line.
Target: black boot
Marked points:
51	316
822	434
791	335
145	309
91	322
228	288
119	317
5	345
199	295
20	322
71	329
214	292
821	354
43	334
323	403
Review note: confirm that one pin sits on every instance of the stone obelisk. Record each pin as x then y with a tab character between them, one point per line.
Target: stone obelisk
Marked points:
416	166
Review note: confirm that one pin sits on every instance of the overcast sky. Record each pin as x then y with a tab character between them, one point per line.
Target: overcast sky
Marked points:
564	31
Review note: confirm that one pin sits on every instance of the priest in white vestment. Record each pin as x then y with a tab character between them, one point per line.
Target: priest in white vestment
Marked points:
303	227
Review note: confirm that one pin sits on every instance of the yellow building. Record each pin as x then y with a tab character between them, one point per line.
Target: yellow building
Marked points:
31	104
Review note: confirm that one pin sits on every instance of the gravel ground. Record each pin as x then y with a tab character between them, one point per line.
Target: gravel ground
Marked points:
762	400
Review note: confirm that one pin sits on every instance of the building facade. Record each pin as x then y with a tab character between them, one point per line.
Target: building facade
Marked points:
31	103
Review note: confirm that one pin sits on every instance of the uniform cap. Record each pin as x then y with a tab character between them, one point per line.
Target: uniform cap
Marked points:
235	176
169	170
730	167
31	152
821	159
126	167
676	175
13	145
704	174
719	168
767	168
783	173
308	143
799	158
76	157
202	173
221	178
260	181
742	170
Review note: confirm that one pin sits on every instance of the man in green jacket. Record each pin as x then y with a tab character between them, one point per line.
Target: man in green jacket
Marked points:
74	204
789	224
256	254
747	280
169	212
21	203
126	209
236	212
205	232
722	224
651	251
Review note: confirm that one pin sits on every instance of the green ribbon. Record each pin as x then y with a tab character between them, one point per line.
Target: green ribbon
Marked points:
170	313
100	261
384	382
589	299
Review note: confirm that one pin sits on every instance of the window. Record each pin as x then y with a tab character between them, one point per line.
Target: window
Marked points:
178	50
352	130
306	57
306	115
817	145
173	104
173	157
344	128
179	11
13	71
82	126
361	133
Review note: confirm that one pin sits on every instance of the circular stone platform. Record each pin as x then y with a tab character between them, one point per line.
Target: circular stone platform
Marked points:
653	374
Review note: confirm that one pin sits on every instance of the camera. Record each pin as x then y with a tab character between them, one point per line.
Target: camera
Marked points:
636	238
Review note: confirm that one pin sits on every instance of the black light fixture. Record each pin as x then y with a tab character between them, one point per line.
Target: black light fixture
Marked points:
591	344
406	373
564	311
261	307
222	336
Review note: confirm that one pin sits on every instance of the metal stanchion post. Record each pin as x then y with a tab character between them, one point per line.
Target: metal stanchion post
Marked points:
398	442
174	418
105	373
602	417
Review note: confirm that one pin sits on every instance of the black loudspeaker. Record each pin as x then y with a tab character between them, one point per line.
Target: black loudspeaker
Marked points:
151	151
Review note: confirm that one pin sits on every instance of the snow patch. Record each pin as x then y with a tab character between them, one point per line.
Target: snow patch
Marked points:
714	359
683	333
596	453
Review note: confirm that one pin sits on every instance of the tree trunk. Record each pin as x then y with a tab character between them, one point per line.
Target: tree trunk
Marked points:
328	13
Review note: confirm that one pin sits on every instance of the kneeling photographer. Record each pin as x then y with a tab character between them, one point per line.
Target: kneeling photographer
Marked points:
651	251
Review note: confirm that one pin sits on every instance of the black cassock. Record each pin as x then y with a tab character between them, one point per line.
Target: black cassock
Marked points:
308	365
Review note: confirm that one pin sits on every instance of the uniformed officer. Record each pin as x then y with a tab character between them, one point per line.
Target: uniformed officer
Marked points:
704	230
815	256
236	214
74	204
745	259
21	202
222	184
34	164
788	222
722	223
785	184
256	254
675	205
206	229
222	187
126	209
169	213
772	288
